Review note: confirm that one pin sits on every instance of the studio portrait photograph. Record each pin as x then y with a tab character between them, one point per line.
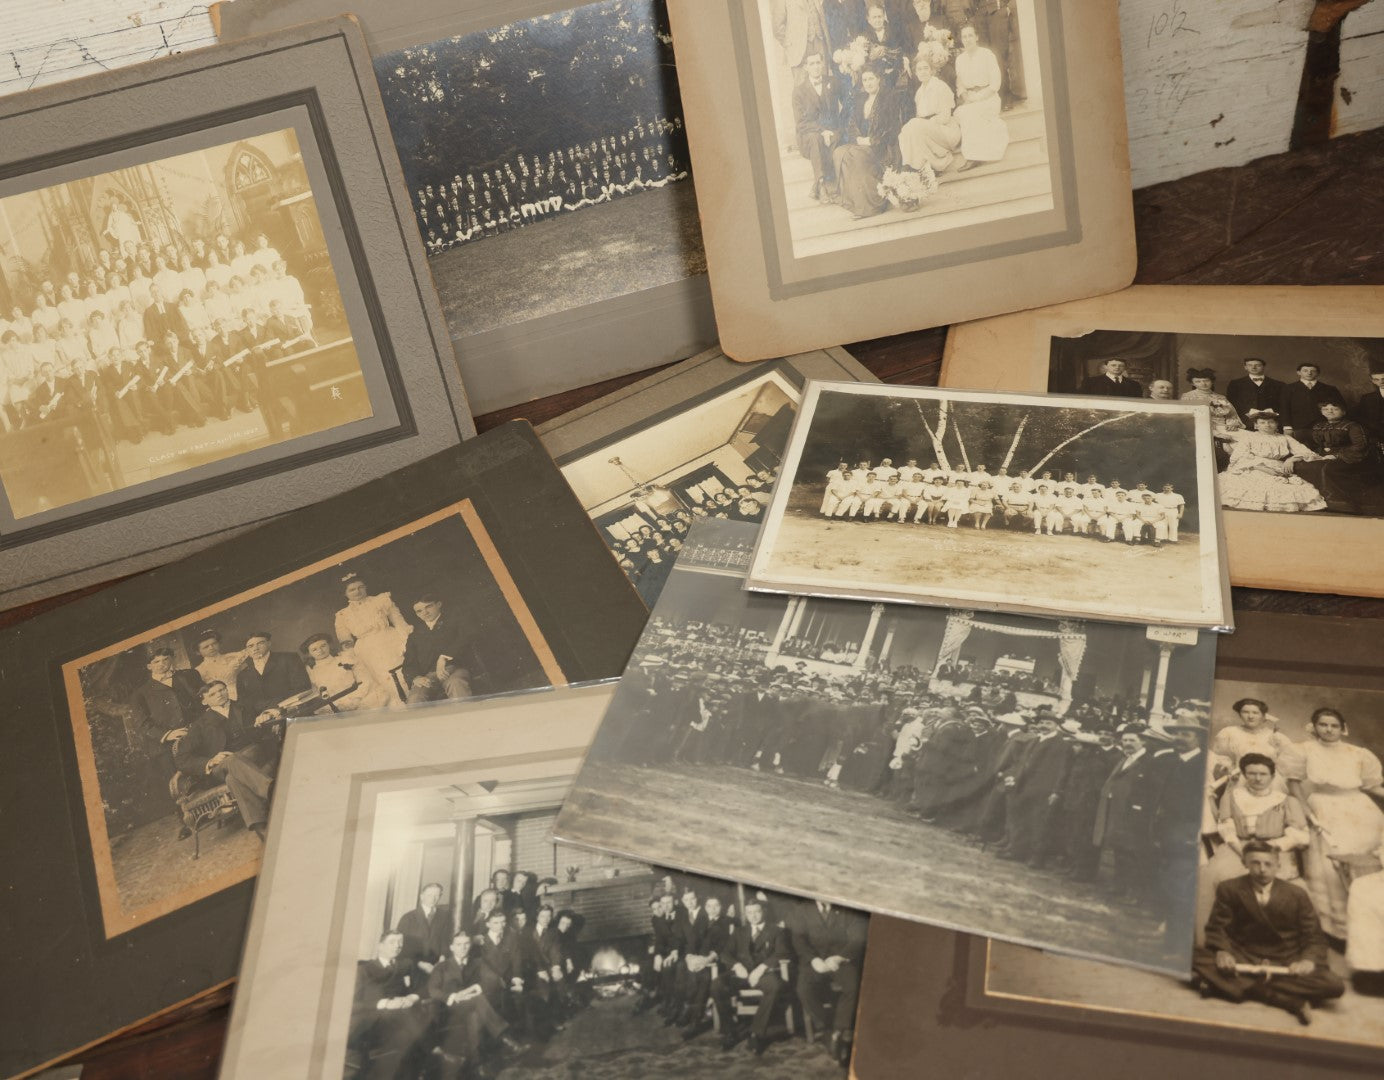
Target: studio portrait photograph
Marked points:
1010	502
166	316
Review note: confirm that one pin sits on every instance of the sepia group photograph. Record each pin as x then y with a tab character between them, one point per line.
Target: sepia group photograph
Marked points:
1033	780
1105	509
900	118
555	141
178	729
1289	931
164	317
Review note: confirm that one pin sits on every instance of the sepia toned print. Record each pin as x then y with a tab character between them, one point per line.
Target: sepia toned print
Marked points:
900	118
165	316
178	729
1000	501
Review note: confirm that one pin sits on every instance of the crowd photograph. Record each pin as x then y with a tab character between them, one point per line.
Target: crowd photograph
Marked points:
1298	422
1045	773
167	316
902	117
184	725
719	459
557	140
1290	916
928	496
489	950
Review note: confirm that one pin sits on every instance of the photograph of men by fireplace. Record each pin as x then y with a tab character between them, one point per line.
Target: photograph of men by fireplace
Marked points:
488	950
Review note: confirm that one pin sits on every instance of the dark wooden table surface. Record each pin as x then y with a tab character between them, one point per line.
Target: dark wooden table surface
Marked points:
1314	216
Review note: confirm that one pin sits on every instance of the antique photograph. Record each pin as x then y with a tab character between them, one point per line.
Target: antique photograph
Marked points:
899	118
555	142
1034	780
178	730
717	459
998	501
501	953
1290	913
165	316
1298	421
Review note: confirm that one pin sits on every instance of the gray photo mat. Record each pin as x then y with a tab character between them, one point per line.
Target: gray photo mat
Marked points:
547	355
789	276
327	75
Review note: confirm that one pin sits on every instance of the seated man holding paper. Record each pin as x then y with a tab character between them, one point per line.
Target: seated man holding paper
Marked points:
433	669
754	962
466	1016
1264	941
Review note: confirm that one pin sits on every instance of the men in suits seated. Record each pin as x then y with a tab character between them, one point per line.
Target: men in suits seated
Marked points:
716	944
1254	390
231	746
661	971
753	962
544	956
690	930
500	969
1112	381
178	384
818	120
388	1017
427	929
1302	402
465	1016
1258	921
434	656
830	945
269	677
164	704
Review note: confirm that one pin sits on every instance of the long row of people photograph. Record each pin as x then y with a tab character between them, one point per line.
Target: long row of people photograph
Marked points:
977	498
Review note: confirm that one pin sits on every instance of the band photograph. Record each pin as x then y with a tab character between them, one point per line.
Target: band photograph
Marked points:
178	730
900	118
1298	421
166	316
718	459
1290	913
558	142
1034	780
1004	501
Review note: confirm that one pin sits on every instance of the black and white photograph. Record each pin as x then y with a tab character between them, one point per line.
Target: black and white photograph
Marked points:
719	459
1105	509
487	949
1298	421
164	316
1290	915
901	118
557	142
1038	781
178	730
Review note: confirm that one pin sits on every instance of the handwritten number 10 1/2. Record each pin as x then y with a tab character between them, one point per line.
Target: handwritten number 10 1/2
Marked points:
1171	22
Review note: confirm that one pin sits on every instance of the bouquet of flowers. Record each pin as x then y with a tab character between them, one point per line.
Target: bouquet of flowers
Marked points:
852	59
908	189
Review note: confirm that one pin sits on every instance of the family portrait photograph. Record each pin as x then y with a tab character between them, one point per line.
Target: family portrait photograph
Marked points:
166	316
900	118
1289	934
487	949
1016	502
1298	422
556	141
1035	780
179	729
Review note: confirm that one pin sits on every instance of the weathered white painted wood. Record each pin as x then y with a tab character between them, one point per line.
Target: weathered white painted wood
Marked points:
1360	89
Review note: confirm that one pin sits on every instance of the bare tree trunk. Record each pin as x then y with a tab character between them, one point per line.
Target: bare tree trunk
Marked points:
965	458
936	435
1009	457
1067	442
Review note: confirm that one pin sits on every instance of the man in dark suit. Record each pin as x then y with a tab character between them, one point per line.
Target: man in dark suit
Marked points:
657	986
750	717
830	945
1302	402
181	392
754	962
690	930
164	705
161	316
1112	381
1177	819
1254	390
227	346
1035	789
388	1016
464	1014
269	677
1259	920
437	655
1369	412
1125	815
225	743
427	929
818	121
500	968
716	947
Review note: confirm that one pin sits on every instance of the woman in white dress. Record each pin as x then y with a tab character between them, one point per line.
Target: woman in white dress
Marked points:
1256	733
343	679
1334	780
984	134
374	627
218	666
933	136
121	227
1260	474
